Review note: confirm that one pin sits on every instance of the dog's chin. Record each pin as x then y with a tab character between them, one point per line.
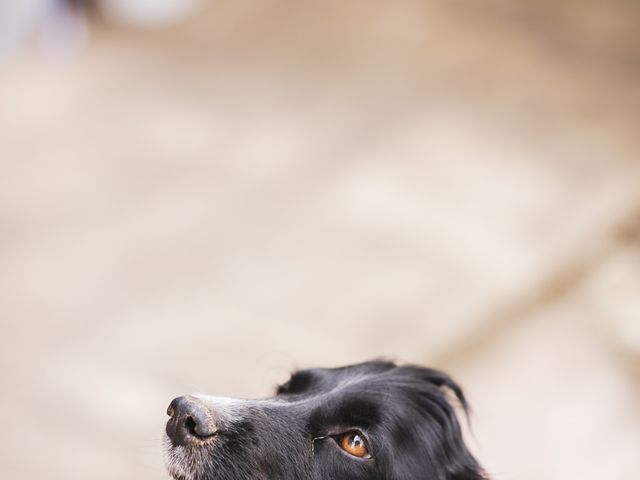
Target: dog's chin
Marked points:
177	476
175	473
185	462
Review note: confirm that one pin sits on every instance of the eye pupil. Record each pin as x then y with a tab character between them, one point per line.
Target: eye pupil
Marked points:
354	443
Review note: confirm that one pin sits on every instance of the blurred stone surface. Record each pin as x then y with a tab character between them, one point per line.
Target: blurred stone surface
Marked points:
279	184
551	401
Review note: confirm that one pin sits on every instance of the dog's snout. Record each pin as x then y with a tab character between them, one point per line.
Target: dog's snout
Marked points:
191	421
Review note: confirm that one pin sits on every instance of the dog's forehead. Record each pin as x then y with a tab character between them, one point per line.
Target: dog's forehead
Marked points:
326	380
359	370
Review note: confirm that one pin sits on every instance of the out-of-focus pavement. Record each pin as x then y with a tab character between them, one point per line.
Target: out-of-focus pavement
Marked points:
277	184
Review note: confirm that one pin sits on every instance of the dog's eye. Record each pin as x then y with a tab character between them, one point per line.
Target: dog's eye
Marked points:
354	443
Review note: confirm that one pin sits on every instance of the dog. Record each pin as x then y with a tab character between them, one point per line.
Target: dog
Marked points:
371	421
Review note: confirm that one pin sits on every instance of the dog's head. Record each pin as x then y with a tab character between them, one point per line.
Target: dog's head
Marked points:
374	420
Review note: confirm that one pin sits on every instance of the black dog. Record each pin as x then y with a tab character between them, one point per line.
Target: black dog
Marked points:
375	420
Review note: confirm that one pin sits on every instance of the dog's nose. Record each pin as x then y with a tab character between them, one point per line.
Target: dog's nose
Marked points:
191	421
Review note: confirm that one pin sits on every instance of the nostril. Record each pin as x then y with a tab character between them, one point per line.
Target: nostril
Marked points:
176	405
190	425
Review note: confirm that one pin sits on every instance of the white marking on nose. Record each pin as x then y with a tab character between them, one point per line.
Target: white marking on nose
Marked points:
224	408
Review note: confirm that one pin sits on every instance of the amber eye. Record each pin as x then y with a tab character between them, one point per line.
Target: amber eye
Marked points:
354	444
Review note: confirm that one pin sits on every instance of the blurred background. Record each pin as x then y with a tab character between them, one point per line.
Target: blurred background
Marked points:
201	196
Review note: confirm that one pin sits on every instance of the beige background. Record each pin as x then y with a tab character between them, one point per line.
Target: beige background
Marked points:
206	206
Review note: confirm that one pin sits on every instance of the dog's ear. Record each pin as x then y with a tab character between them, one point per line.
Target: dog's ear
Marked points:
447	384
445	438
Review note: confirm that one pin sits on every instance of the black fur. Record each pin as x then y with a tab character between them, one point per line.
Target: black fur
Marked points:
403	412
